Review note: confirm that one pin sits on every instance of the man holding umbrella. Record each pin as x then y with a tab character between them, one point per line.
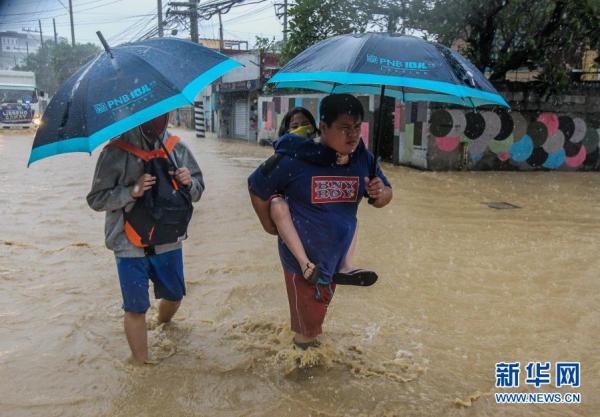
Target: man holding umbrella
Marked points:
120	187
323	201
145	185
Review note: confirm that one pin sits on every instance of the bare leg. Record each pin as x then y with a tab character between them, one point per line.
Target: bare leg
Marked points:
300	338
167	309
280	214
135	330
347	262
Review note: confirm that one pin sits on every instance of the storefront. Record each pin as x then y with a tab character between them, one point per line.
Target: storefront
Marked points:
237	97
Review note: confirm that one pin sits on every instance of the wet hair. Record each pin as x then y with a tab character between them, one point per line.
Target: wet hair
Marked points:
336	105
285	123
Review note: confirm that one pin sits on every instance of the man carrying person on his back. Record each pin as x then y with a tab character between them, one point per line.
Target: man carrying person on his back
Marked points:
323	201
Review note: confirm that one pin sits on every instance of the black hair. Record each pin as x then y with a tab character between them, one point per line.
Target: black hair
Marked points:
285	123
335	105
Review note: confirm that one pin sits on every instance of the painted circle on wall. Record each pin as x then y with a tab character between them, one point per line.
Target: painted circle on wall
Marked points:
459	121
579	131
522	149
538	132
538	157
577	160
555	160
591	140
447	143
555	142
501	146
572	149
475	125
565	123
504	156
592	157
520	124
478	147
550	120
507	125
493	125
441	123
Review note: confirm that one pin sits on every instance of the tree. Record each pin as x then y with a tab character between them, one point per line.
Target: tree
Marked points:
40	64
54	63
496	35
314	20
68	59
264	44
504	35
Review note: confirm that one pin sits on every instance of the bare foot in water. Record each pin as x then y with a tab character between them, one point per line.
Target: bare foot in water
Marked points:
304	342
134	362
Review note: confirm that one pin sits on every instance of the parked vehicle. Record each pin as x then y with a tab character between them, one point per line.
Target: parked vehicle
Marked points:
19	100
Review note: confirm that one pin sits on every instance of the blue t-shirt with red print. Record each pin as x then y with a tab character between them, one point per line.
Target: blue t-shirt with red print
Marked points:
323	201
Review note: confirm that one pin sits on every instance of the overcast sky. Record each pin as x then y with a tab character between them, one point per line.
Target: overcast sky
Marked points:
125	20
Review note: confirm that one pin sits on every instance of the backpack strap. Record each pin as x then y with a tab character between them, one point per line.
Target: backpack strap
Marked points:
171	142
144	154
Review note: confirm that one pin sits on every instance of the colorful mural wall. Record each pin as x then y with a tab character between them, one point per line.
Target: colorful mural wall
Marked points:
482	139
548	141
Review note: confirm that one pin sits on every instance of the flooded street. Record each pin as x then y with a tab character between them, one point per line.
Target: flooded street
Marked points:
462	286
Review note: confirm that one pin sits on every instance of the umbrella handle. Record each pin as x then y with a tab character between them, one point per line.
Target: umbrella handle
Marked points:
378	132
104	43
166	151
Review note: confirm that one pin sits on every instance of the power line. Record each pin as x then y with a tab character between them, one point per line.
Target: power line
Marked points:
34	19
250	13
46	11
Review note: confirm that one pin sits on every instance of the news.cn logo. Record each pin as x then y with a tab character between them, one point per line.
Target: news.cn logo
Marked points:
537	375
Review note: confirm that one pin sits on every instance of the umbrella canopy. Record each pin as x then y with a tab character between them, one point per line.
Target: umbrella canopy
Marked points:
124	87
409	68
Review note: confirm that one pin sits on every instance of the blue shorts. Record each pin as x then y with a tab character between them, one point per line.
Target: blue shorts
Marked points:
164	270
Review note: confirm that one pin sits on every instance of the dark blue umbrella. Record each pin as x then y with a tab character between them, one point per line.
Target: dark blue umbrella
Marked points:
124	87
408	68
400	66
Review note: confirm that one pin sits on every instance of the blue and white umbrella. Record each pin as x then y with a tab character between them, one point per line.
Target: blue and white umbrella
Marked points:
122	88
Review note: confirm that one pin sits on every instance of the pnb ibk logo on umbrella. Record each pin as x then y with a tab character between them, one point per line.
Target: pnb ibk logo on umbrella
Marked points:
131	97
395	64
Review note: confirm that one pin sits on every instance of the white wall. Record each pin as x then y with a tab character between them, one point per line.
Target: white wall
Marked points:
251	70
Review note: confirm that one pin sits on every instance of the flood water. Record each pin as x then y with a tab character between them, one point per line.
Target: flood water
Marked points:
462	286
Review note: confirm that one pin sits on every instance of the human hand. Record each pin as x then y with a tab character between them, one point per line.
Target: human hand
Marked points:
375	187
183	176
143	184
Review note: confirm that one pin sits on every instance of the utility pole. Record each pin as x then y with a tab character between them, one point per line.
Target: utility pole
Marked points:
192	13
72	27
220	33
41	37
55	34
160	19
281	11
285	26
194	21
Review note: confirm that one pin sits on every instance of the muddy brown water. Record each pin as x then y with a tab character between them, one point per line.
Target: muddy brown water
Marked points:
462	286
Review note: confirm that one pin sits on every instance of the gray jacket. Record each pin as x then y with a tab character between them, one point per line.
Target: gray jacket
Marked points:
116	173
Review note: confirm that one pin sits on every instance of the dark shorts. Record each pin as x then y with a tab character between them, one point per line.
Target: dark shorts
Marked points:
307	305
164	270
